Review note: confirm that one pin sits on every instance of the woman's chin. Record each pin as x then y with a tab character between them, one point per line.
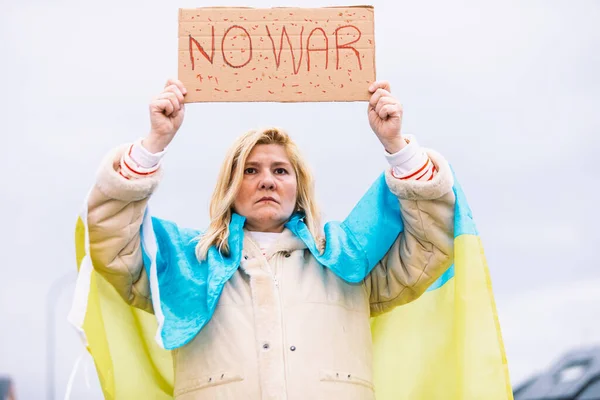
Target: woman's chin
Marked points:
267	219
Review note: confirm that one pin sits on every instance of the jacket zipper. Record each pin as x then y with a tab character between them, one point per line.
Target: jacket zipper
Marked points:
277	283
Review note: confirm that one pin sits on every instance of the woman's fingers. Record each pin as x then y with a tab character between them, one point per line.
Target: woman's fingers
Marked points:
165	106
384	101
177	83
174	93
385	85
176	90
171	97
379	93
389	110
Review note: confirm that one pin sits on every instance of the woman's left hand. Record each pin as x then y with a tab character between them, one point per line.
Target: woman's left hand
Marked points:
385	116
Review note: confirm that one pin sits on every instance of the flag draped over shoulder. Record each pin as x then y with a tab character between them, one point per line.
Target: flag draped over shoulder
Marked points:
120	338
444	345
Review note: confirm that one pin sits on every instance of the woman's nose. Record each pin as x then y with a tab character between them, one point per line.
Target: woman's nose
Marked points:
267	182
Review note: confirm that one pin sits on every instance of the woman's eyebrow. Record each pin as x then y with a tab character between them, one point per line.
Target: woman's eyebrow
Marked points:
280	163
273	164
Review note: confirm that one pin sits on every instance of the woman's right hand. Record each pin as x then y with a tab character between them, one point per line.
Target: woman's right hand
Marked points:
166	116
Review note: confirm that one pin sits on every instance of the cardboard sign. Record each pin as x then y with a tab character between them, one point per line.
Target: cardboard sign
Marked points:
277	54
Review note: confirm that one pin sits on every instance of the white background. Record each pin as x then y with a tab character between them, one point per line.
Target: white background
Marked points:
508	91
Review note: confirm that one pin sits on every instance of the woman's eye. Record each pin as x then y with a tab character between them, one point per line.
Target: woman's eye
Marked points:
250	170
280	171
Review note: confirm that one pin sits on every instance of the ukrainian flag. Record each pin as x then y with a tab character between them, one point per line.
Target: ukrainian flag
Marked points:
445	345
120	338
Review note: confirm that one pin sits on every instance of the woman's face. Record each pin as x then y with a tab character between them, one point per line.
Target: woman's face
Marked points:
267	196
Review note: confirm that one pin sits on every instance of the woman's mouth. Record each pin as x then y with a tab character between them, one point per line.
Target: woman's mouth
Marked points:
267	199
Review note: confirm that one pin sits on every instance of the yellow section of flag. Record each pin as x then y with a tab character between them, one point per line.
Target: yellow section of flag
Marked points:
129	362
445	345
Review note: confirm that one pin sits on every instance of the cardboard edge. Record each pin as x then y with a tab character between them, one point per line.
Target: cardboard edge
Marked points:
366	6
371	8
374	45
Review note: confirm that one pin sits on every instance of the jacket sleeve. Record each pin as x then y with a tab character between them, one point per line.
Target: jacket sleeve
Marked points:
116	207
424	249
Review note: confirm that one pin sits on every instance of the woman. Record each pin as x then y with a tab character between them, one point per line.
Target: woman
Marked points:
266	304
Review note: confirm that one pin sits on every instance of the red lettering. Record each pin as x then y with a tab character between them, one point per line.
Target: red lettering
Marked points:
278	57
285	36
308	49
249	46
346	45
201	49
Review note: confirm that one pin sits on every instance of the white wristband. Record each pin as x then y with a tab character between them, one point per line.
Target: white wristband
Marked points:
144	158
408	159
130	169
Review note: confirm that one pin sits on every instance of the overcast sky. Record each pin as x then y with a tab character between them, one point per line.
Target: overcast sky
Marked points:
508	91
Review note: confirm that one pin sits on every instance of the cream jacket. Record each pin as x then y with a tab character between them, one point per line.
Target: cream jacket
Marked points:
285	327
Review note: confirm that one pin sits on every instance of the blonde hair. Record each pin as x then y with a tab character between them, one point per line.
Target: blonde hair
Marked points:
230	179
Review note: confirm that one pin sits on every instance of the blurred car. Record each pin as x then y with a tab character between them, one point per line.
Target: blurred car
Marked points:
576	376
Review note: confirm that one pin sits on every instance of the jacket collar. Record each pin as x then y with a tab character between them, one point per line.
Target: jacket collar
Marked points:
287	242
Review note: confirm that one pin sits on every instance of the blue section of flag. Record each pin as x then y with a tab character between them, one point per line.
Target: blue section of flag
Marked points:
441	281
463	225
463	218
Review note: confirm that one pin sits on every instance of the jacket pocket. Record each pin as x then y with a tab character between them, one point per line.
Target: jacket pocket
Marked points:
345	377
207	381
